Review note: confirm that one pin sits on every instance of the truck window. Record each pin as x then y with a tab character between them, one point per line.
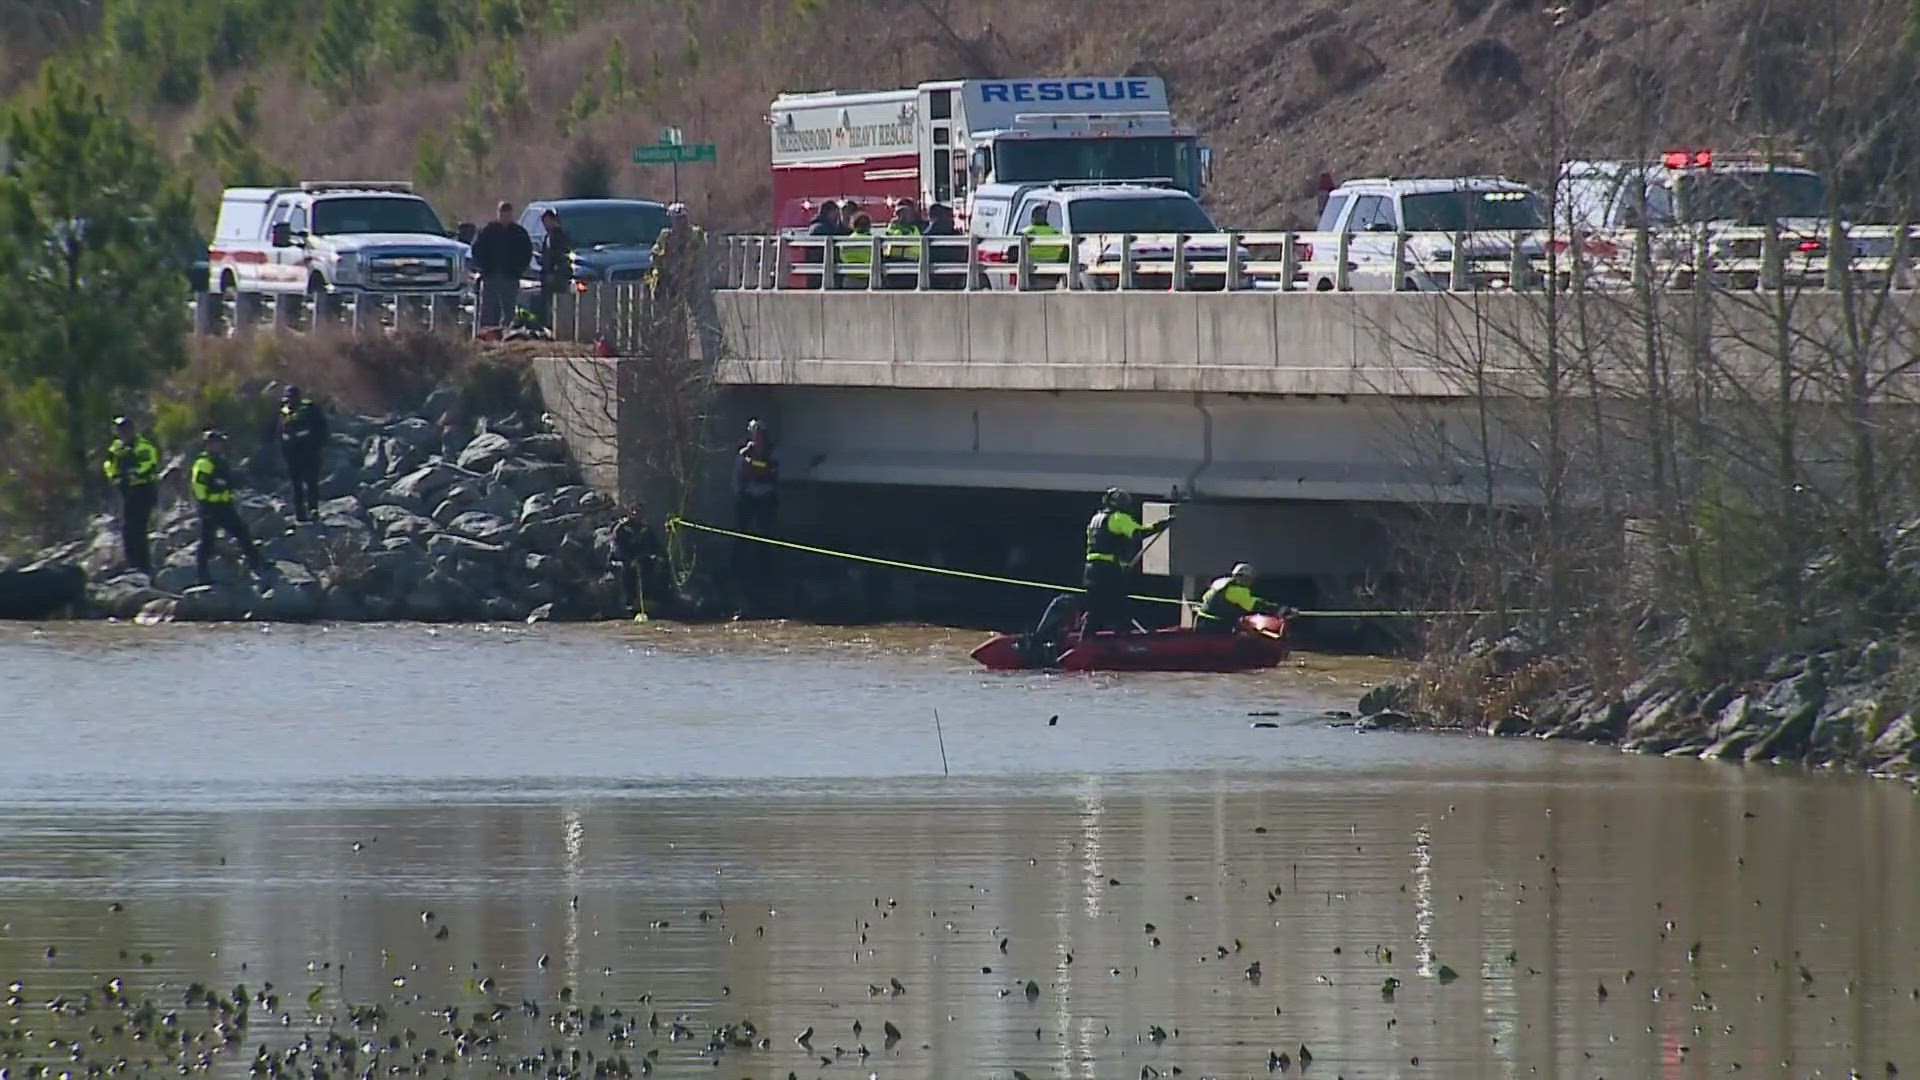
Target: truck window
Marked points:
613	224
1330	216
298	221
1473	211
1170	159
374	214
1170	214
1367	210
1750	197
282	211
943	175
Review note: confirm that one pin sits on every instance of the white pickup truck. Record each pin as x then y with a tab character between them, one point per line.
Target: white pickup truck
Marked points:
323	240
1094	216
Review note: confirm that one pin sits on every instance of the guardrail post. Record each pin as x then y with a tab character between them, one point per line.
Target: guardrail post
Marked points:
1023	270
1897	260
876	270
1073	282
923	277
1289	260
364	312
830	263
1126	262
1343	252
782	266
246	312
1179	282
770	249
1399	262
1702	260
1233	263
1520	272
1772	258
285	305
206	312
1839	255
973	264
1457	280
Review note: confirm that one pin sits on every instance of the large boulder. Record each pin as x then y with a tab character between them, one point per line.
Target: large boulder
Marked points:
397	570
218	602
463	548
485	451
344	506
415	431
392	521
265	515
441	598
545	447
547	534
123	597
517	478
40	590
424	486
294	595
479	525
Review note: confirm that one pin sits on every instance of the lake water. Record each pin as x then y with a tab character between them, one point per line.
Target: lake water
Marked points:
751	824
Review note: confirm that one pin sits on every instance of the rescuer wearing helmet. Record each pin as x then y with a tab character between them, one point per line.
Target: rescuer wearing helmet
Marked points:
1114	536
303	443
676	255
1228	600
133	464
213	495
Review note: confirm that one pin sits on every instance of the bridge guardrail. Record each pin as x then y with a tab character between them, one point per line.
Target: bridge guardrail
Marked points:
1740	258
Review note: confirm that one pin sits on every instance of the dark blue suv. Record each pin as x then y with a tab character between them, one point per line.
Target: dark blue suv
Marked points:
612	239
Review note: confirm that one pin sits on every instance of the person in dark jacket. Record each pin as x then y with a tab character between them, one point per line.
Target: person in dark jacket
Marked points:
756	494
303	444
940	223
828	223
556	264
640	562
501	254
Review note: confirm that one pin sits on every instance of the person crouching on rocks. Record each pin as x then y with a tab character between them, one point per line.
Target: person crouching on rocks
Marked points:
212	482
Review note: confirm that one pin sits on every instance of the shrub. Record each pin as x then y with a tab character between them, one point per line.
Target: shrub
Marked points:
1342	63
1483	65
588	173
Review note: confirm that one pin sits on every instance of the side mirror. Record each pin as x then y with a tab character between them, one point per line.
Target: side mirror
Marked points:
282	234
466	232
1380	227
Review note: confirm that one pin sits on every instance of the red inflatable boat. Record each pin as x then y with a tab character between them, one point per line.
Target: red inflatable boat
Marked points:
1260	641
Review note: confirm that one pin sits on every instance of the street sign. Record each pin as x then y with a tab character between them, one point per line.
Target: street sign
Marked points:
673	154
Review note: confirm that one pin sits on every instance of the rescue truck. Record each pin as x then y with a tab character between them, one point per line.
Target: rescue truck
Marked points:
1691	195
939	141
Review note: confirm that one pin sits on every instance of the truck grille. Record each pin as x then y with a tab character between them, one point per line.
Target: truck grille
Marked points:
401	272
630	273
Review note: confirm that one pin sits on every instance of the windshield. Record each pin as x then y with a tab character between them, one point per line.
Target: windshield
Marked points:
1471	211
1750	197
375	214
1166	158
612	224
1168	214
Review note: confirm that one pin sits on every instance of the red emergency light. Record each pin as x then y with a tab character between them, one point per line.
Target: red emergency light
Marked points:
1681	159
1811	245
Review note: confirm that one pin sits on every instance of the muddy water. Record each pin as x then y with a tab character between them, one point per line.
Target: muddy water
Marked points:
752	824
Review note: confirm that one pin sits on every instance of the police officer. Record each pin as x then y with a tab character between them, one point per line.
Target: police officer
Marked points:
133	465
303	441
212	482
1114	536
676	255
1228	600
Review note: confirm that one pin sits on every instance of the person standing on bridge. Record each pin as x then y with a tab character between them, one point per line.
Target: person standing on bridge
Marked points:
500	254
133	465
1050	251
1228	600
1114	537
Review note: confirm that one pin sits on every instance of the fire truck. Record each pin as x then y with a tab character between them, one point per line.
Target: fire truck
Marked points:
939	141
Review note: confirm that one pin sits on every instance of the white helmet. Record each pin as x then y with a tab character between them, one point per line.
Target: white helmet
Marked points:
1243	573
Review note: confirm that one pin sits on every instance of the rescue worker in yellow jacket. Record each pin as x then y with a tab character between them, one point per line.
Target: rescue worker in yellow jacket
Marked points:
677	256
1228	600
1114	537
133	466
1043	251
213	496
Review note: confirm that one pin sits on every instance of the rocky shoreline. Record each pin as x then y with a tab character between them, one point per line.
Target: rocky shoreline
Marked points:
1848	708
419	521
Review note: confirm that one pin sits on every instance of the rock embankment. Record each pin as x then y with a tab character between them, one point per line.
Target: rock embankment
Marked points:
417	522
1851	707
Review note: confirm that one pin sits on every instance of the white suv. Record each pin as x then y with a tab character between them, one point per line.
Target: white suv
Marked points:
1096	215
1485	210
321	240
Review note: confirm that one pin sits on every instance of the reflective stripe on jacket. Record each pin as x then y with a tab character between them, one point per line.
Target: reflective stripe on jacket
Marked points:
1110	536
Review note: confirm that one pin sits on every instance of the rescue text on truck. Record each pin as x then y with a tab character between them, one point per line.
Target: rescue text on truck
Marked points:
940	141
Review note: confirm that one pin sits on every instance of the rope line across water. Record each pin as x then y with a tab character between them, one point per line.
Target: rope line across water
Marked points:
994	579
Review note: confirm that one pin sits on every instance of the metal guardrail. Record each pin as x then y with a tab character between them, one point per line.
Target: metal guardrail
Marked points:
616	312
1741	258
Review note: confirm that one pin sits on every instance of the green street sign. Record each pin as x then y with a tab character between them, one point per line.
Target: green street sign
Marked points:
673	154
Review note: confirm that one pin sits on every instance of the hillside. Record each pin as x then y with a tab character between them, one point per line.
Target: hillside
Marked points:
1283	88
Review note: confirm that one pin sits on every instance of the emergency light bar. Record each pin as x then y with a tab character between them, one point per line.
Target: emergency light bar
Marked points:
1681	159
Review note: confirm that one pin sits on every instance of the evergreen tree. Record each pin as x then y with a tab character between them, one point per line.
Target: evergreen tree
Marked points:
91	227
